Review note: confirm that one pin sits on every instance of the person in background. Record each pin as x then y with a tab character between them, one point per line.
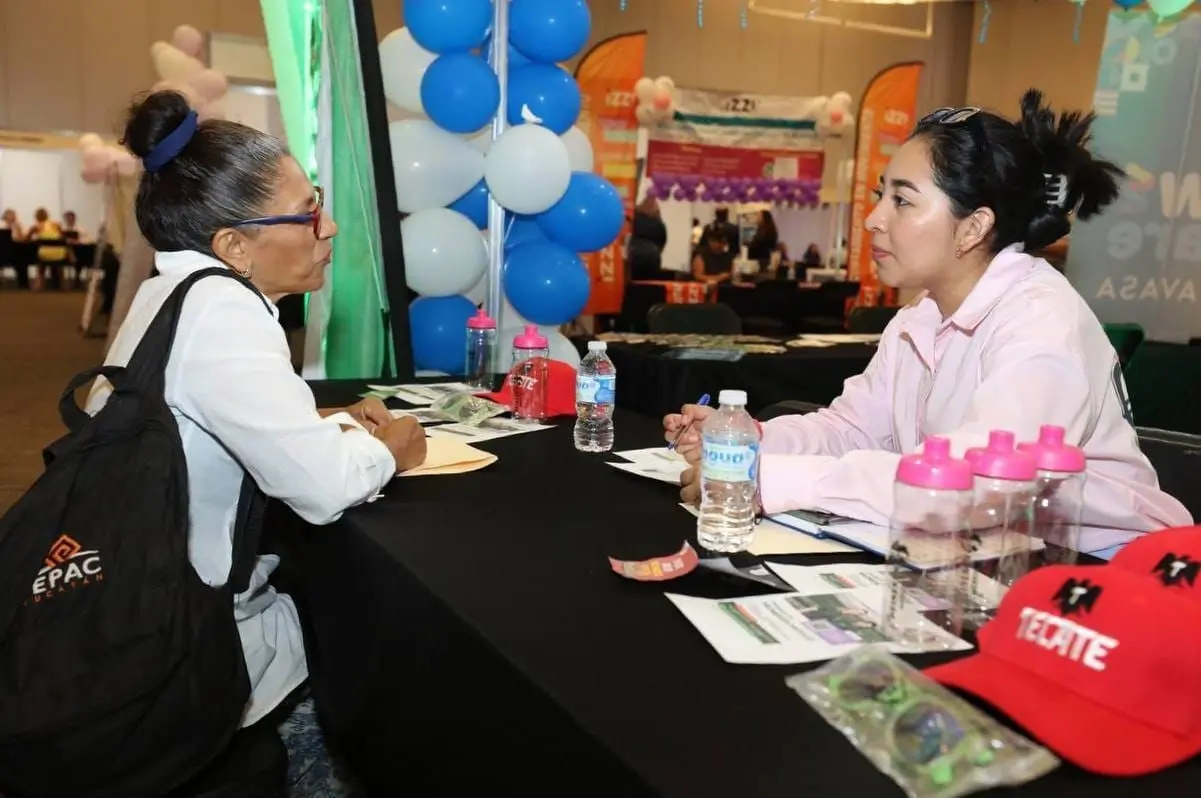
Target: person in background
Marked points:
812	257
10	222
52	257
697	231
722	228
71	232
713	262
765	241
221	194
648	237
997	338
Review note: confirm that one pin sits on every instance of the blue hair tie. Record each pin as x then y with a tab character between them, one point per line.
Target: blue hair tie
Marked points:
171	145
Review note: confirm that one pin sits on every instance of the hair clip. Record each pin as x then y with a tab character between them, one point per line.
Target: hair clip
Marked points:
1057	190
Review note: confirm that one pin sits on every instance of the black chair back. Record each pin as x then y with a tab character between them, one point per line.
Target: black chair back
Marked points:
700	319
869	320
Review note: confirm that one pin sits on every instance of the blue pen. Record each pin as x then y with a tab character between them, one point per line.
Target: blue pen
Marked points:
702	402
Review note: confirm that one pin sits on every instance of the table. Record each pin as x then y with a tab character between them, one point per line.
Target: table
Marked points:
461	642
651	384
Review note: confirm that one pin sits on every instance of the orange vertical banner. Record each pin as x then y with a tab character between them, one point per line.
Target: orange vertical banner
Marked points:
606	76
886	117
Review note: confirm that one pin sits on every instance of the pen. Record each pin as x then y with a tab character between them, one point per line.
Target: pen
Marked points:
702	402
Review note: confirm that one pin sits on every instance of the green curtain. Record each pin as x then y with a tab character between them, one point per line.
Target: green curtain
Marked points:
355	339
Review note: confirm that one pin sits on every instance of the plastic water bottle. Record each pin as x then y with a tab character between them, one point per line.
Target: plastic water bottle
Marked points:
1002	515
530	374
929	552
729	475
481	351
1059	497
595	393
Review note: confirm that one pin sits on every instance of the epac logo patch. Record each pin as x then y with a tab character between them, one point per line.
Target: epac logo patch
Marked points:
1075	597
1177	570
67	566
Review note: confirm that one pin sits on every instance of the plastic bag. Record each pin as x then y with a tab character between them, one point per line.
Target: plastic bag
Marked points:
466	408
931	742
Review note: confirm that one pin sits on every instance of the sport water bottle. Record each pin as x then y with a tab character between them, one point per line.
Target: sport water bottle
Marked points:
929	553
595	393
1059	493
1002	516
729	475
481	350
529	375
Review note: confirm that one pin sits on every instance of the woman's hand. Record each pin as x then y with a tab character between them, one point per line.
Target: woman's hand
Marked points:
690	480
405	438
683	428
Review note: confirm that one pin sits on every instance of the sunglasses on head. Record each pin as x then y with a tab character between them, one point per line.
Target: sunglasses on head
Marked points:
311	218
951	117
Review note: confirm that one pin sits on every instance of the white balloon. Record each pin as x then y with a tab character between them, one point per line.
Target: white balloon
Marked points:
527	169
644	89
432	168
481	141
403	63
444	254
579	150
645	115
478	293
665	84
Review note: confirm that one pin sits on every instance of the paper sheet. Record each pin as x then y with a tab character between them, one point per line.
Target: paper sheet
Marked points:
840	577
424	415
773	538
487	430
656	462
419	395
449	456
793	628
843	338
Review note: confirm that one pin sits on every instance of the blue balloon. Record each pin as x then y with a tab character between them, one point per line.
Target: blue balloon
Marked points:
438	328
588	217
546	283
520	229
548	31
1126	5
550	92
460	92
448	26
474	205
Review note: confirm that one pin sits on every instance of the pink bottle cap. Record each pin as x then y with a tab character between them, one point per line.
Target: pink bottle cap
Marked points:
1052	454
1000	460
934	468
973	454
531	339
481	321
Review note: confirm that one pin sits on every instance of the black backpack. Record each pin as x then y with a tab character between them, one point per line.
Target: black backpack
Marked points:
121	672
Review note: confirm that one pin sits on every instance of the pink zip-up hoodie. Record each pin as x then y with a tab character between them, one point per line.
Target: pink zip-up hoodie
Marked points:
1022	350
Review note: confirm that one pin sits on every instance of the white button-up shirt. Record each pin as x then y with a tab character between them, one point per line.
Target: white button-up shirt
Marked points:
240	405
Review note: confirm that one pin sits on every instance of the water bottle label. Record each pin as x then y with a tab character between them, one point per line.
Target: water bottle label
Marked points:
599	390
725	462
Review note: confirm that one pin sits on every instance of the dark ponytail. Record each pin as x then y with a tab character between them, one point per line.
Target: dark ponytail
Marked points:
1091	183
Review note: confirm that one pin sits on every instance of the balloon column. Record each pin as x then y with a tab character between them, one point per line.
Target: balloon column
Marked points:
656	101
179	69
453	159
697	188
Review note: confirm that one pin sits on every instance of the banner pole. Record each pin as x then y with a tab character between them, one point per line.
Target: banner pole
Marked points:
499	60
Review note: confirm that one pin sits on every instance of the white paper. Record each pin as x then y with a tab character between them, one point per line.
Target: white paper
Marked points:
655	462
487	430
812	580
423	395
773	538
665	473
792	628
424	415
843	338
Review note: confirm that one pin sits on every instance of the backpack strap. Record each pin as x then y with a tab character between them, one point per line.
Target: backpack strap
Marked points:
147	369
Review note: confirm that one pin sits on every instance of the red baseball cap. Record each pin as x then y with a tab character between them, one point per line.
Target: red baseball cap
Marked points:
1171	556
1097	663
560	390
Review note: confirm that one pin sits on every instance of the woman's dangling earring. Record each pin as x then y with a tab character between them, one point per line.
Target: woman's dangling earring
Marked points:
958	252
244	274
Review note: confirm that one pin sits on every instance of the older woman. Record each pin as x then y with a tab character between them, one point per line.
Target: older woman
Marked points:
223	194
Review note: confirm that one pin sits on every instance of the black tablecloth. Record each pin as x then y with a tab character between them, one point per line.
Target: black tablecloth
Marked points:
651	384
466	633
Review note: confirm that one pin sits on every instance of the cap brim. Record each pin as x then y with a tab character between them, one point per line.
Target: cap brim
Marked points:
1092	737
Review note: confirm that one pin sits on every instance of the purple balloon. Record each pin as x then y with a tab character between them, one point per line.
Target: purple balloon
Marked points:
679	194
707	195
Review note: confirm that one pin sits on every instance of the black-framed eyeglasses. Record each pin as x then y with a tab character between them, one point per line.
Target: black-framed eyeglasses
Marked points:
312	218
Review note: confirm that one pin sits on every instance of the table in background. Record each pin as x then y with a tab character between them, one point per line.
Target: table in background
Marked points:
642	295
652	384
466	633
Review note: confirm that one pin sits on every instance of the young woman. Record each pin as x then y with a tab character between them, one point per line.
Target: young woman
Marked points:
218	193
996	339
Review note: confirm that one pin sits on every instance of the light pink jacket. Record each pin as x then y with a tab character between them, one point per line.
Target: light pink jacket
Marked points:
1022	350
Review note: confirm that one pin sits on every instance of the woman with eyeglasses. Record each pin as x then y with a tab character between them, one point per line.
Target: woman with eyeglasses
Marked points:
217	193
996	338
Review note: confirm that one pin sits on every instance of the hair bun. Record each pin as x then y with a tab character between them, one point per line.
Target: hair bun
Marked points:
152	119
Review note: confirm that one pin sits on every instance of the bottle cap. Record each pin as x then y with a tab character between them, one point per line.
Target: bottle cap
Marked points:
933	467
481	321
1050	453
597	346
732	398
1000	460
531	339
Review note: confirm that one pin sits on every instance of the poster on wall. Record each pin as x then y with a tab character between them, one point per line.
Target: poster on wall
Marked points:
606	76
886	116
1140	261
728	135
